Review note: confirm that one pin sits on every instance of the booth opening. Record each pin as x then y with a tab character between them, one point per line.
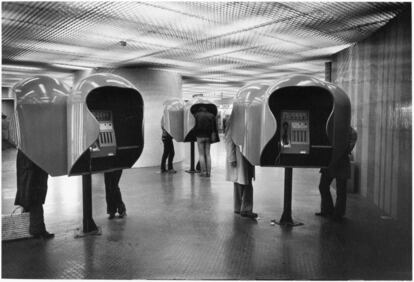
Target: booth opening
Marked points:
301	139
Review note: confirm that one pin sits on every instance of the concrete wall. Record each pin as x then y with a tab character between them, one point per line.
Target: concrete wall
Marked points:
376	74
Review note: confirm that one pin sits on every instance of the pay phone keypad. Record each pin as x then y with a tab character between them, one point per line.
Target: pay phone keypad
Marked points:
106	144
294	132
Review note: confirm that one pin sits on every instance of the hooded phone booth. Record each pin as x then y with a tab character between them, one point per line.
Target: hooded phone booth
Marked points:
297	121
179	121
96	128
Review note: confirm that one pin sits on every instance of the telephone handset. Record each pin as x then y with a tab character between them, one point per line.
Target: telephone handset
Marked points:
105	145
294	135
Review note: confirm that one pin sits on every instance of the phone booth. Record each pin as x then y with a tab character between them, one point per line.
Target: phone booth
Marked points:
96	128
41	118
297	121
173	119
179	121
190	109
105	122
247	112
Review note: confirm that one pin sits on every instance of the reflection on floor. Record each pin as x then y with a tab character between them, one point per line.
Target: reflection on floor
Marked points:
183	227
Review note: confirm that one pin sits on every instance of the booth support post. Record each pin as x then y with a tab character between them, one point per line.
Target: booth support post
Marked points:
89	226
191	170
286	218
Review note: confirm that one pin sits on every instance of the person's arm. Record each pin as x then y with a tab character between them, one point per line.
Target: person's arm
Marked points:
230	149
353	136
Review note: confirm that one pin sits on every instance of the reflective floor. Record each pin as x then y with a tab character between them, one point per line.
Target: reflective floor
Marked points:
183	227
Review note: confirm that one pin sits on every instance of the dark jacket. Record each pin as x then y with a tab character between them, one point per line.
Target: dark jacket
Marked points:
165	136
31	182
342	168
205	124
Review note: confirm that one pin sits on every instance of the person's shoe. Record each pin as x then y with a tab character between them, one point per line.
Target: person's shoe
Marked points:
171	171
43	235
237	212
249	214
163	171
323	214
122	214
111	215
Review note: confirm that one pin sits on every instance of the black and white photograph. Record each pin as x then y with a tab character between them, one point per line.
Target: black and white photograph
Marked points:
206	140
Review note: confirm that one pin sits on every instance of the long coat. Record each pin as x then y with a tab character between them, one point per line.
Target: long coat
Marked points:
342	168
243	172
31	182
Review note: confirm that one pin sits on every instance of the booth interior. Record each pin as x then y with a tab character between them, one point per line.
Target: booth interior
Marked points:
302	115
119	112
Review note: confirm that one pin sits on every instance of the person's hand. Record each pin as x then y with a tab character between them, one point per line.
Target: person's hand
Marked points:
233	163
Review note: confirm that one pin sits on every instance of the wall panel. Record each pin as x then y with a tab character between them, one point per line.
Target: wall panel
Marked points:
376	73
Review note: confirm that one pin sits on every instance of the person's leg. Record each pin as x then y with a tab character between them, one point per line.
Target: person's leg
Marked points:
120	206
37	226
340	204
237	197
201	155
171	155
208	157
164	156
109	194
247	202
326	198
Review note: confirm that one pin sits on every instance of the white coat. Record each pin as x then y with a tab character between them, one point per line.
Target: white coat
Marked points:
243	172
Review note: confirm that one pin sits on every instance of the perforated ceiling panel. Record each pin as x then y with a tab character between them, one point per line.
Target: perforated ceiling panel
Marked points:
216	46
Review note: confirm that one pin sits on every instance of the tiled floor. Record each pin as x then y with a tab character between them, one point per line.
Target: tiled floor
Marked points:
182	227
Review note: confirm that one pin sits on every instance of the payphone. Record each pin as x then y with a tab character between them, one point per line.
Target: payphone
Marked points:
105	146
111	135
99	128
294	138
299	121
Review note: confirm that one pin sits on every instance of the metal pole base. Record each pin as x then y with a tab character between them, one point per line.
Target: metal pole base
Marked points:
89	225
286	222
286	218
79	233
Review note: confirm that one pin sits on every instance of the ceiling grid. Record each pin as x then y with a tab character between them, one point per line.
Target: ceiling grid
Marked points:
216	46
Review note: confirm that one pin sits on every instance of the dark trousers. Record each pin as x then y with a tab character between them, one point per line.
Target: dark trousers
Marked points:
37	224
114	201
168	153
243	198
326	198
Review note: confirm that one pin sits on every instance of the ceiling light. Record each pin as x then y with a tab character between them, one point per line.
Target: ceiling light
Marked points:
327	51
15	67
65	66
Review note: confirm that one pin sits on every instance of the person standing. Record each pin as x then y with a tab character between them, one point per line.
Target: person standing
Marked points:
341	171
169	152
241	173
31	194
205	126
114	203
